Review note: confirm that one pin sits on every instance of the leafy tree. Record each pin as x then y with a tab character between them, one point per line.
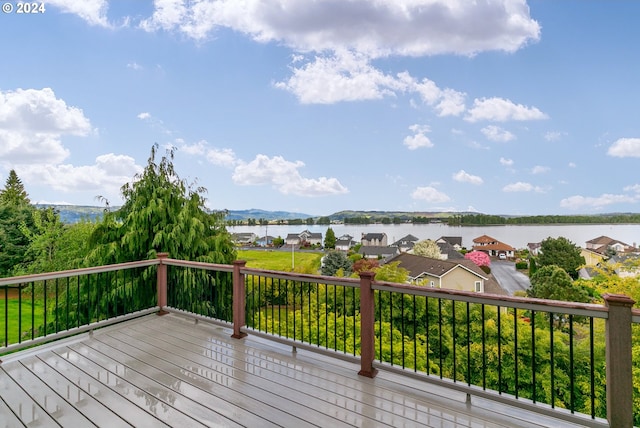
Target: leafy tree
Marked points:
553	282
334	261
44	241
427	248
330	239
365	265
13	192
392	272
561	252
162	213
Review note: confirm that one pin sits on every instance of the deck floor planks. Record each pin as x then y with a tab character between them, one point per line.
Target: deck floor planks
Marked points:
171	371
296	408
321	384
126	410
339	378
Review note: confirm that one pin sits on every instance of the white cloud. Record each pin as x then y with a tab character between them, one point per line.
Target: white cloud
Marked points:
430	194
222	157
572	165
134	66
538	169
419	139
578	202
348	76
521	187
463	177
401	27
106	175
92	11
554	135
625	148
144	115
495	133
285	177
632	188
32	123
502	110
506	162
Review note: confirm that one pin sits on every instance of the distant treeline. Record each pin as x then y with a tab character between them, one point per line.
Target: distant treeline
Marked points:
484	219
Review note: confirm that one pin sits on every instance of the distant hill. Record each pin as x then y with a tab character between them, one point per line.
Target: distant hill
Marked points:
267	215
75	213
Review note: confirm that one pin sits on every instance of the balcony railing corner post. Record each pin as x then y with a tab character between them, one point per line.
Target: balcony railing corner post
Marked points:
239	296
619	360
162	283
367	322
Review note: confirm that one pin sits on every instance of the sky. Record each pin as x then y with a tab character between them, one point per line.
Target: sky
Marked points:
506	107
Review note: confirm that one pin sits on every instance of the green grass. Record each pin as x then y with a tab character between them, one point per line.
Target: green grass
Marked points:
13	307
303	262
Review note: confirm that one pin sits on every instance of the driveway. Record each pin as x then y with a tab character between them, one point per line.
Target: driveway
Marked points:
508	277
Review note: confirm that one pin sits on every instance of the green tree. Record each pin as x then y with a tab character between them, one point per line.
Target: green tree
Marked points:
392	272
427	248
553	282
330	239
162	213
561	252
44	241
15	211
13	192
335	261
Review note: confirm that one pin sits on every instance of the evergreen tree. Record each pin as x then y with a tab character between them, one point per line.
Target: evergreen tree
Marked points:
13	192
330	239
563	253
335	261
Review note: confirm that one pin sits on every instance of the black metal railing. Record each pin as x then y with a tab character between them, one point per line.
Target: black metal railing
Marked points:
307	310
38	308
542	353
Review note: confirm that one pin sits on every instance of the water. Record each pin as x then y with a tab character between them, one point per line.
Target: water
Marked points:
516	236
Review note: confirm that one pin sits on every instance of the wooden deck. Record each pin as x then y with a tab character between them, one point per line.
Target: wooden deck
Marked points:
170	371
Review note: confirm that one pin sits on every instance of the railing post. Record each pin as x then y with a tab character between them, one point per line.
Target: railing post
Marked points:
239	294
619	360
162	283
367	322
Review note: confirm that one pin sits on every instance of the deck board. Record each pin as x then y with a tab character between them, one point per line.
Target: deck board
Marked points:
171	371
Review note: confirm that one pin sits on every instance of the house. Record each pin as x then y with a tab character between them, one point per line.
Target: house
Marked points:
304	238
625	265
243	238
608	246
345	243
456	275
449	252
534	248
405	244
378	252
454	241
265	241
374	239
591	257
493	247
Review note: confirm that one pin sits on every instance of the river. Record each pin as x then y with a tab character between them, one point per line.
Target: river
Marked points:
516	236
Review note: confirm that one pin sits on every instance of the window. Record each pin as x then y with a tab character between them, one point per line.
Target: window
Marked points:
432	284
478	286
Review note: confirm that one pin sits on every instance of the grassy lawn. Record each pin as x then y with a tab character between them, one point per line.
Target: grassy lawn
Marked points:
303	262
13	305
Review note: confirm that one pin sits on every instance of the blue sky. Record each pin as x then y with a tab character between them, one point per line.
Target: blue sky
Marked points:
495	106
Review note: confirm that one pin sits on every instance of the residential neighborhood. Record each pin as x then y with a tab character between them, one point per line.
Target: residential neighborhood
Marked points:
451	269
